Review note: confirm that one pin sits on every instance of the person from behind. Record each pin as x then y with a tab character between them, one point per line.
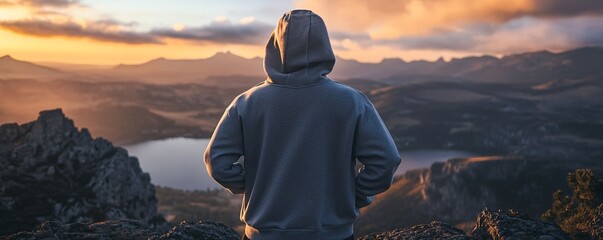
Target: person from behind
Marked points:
300	134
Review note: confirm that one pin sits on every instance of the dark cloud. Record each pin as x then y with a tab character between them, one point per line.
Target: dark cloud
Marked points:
566	8
222	32
581	31
103	30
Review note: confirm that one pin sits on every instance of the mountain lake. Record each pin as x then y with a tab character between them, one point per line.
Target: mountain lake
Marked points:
178	162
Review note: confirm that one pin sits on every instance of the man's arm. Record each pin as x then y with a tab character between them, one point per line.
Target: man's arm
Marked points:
224	150
375	148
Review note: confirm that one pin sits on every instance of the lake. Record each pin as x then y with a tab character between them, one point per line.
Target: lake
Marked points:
178	162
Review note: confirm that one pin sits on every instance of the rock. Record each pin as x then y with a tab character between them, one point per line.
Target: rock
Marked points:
513	225
112	229
434	230
200	230
126	230
50	170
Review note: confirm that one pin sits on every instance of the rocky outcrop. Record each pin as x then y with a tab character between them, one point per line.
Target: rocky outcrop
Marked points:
50	170
188	230
456	190
126	230
434	230
490	225
500	225
112	229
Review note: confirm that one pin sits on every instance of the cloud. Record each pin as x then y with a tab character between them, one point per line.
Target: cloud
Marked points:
221	31
41	3
248	31
101	30
390	19
518	35
531	34
485	26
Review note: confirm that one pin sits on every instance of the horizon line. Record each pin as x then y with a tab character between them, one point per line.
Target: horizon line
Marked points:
440	59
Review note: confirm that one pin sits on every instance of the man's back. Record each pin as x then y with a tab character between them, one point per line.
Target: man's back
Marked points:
300	133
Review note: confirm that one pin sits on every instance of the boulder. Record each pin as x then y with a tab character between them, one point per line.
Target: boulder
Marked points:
434	230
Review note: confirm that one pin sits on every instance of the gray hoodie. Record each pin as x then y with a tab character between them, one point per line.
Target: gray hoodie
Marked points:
300	134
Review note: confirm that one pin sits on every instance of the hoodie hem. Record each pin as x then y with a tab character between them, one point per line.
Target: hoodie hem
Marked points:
339	232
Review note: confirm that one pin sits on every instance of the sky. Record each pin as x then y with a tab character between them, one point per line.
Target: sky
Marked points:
109	32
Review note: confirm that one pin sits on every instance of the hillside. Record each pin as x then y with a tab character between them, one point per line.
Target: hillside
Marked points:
11	68
451	190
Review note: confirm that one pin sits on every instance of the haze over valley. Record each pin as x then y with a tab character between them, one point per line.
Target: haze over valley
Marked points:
539	103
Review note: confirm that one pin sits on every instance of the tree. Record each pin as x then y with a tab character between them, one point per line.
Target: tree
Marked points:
575	214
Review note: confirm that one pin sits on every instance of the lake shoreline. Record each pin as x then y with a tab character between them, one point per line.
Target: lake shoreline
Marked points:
178	162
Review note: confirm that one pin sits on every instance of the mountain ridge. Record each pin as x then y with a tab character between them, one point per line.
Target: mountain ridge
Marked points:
533	67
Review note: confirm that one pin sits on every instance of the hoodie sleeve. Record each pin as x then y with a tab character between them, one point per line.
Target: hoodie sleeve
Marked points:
224	150
376	150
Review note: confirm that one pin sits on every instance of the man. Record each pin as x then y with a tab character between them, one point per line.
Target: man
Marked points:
300	134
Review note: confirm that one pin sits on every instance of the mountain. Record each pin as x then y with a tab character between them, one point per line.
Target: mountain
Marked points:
525	68
11	68
219	66
225	68
557	121
539	104
557	118
124	112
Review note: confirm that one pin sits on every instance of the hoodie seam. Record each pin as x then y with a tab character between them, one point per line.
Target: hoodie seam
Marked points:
290	20
301	86
307	69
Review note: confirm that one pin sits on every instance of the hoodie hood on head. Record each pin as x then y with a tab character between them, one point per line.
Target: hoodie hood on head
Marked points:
299	52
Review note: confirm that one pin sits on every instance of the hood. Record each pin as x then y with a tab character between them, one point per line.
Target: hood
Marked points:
299	52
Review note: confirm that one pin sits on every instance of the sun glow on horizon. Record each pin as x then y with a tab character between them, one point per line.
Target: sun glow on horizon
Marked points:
113	32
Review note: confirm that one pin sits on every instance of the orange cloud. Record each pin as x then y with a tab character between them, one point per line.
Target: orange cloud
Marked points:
389	19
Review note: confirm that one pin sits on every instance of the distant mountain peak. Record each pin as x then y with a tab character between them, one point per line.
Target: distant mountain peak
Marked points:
7	58
392	60
225	55
159	59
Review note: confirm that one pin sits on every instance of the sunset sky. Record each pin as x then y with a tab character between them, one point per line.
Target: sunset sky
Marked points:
110	32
